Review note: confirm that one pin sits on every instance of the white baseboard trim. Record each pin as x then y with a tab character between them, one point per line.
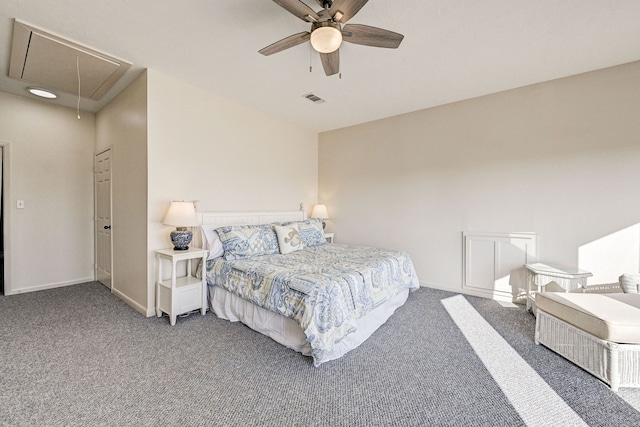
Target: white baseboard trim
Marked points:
48	286
133	304
480	294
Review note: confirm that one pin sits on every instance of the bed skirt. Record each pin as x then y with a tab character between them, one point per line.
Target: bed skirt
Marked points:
286	331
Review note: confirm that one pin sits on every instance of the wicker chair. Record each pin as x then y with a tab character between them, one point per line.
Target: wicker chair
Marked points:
630	283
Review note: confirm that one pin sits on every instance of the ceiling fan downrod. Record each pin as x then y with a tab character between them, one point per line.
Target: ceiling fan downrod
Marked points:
326	4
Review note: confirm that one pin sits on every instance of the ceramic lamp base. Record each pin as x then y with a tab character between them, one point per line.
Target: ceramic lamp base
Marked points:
181	237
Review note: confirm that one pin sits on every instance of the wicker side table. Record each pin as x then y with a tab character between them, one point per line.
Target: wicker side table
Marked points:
540	275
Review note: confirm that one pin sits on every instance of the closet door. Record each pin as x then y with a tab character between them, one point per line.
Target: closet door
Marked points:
103	217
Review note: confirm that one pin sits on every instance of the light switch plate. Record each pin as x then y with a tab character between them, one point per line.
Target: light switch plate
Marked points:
20	204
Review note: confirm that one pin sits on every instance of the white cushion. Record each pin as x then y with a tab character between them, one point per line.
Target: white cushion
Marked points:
611	317
288	238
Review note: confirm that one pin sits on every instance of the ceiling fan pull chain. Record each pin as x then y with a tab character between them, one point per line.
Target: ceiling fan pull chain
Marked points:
310	58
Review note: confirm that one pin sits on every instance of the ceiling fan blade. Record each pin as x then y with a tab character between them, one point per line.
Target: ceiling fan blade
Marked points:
285	43
348	8
299	9
371	36
331	62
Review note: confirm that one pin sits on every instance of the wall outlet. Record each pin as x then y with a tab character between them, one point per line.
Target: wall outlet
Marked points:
20	204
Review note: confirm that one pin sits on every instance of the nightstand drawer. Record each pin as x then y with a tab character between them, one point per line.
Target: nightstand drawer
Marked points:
186	296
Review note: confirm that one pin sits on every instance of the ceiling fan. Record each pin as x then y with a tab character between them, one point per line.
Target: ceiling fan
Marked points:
327	32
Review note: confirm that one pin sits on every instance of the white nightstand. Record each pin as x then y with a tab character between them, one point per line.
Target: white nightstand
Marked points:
180	295
329	237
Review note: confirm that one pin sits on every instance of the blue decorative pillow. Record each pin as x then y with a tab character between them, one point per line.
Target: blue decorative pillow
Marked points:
244	241
311	232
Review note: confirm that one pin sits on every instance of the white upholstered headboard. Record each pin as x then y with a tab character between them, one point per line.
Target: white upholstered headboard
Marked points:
221	219
251	217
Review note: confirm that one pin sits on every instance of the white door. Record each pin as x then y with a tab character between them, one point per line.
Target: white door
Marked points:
103	217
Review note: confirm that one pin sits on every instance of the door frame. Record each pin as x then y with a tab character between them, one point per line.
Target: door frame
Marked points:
95	215
6	215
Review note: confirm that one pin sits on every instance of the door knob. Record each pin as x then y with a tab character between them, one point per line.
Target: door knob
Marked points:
107	227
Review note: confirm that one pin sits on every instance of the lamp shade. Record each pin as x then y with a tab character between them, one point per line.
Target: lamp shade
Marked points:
319	211
181	214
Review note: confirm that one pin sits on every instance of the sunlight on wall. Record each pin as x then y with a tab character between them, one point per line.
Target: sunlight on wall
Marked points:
612	255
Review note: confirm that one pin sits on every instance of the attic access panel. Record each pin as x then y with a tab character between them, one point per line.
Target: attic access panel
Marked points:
47	60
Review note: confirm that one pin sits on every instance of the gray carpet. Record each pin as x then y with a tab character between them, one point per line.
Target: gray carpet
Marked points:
78	356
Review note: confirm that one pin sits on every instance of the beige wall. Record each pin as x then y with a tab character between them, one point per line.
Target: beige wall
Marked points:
207	148
49	243
172	141
122	126
558	158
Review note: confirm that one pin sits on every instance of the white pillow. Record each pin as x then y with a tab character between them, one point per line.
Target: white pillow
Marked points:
288	238
211	241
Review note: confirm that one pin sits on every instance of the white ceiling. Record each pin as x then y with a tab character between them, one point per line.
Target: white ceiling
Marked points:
452	50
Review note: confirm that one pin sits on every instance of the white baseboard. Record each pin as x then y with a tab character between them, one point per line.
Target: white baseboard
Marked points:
133	304
495	297
8	291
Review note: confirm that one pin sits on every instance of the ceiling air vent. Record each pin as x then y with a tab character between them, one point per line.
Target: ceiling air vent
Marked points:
313	98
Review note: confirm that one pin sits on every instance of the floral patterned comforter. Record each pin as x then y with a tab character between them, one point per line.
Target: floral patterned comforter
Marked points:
324	288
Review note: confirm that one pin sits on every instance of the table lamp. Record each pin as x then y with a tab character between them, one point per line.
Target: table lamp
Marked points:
181	215
320	211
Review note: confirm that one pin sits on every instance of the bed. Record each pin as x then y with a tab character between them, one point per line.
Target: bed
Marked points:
316	298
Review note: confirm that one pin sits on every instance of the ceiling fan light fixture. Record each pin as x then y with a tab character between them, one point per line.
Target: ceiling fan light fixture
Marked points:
326	35
42	93
326	39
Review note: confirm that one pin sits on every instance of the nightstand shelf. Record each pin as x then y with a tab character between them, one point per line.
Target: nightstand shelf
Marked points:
329	237
179	295
182	282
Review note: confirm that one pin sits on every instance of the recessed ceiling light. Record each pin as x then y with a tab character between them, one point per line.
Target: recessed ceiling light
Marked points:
43	93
